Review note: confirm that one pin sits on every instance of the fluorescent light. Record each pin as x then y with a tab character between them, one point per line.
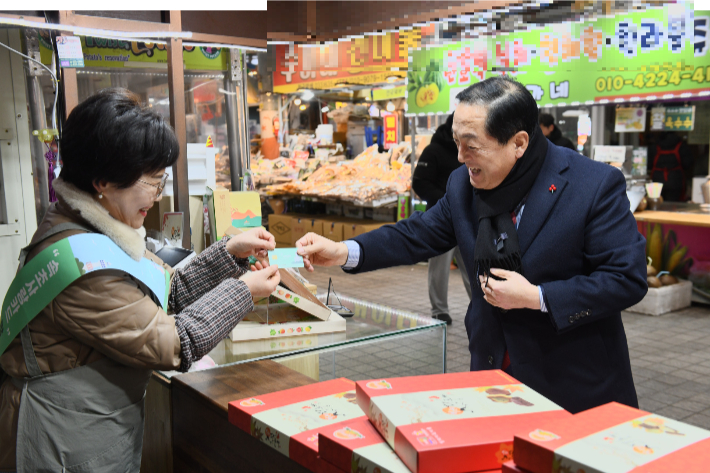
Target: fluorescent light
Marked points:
223	45
325	109
110	34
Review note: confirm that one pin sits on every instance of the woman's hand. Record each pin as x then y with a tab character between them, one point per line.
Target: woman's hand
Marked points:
261	283
256	242
320	251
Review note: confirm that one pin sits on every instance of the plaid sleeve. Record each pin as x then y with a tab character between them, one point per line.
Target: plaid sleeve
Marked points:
203	273
202	325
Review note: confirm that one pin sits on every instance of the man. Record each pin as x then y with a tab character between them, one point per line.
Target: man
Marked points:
552	133
547	234
435	165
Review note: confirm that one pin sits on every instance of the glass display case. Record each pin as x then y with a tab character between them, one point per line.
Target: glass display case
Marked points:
379	341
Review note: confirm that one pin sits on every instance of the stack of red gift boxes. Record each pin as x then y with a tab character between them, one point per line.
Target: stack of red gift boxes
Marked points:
462	422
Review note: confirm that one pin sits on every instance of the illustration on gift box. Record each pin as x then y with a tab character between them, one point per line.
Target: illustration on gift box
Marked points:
234	210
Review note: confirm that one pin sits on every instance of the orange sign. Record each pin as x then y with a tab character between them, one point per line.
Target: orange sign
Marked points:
365	60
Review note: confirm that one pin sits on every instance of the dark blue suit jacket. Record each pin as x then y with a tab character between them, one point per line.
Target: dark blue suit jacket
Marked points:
580	243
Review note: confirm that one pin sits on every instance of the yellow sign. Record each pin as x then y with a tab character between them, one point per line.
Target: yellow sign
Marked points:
387	94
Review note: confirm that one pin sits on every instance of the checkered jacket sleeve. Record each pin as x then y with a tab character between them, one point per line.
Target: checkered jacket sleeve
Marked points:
203	273
210	319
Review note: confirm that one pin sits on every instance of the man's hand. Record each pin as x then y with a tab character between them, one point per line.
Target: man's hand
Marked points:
261	283
513	293
256	242
320	251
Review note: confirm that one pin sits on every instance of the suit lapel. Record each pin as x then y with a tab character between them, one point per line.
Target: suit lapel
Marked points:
541	201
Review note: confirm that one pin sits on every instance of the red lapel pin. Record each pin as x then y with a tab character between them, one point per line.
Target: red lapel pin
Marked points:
552	189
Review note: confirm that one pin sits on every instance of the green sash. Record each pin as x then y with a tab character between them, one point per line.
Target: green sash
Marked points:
62	263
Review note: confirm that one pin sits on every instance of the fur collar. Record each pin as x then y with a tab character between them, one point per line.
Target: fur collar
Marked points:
130	240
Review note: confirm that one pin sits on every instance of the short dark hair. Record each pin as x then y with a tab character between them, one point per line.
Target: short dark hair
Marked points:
511	107
111	137
546	119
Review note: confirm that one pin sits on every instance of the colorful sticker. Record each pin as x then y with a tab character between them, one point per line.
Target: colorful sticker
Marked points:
543	435
251	402
381	384
346	433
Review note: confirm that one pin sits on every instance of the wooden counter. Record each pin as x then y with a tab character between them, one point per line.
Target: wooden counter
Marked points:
203	438
676	218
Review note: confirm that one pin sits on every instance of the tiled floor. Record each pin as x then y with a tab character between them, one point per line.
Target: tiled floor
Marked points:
670	354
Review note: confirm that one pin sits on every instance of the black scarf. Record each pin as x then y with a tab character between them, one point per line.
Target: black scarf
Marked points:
497	242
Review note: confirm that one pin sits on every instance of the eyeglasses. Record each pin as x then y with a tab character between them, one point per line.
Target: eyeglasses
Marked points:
160	186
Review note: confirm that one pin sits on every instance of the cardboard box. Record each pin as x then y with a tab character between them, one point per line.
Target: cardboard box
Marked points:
456	422
332	227
280	227
300	225
286	420
351	230
661	300
614	438
291	310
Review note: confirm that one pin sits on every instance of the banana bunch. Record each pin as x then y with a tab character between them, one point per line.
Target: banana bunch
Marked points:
665	252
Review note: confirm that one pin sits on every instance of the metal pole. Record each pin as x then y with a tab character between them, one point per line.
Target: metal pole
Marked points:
413	159
246	146
230	100
38	121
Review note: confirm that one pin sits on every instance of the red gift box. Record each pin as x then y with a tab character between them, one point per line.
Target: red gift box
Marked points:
614	438
357	446
289	420
456	422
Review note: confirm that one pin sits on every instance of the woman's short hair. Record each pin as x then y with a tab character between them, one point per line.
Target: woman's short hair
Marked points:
111	137
510	106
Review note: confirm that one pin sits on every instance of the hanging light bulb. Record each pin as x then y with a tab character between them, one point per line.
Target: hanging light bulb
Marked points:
390	106
297	101
302	107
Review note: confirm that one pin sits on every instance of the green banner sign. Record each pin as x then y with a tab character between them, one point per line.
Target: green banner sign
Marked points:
59	265
679	119
656	54
100	52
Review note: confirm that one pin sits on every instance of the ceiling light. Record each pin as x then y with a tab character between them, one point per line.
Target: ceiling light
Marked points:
307	95
390	106
302	107
297	101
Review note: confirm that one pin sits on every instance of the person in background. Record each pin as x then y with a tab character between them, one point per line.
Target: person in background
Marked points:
435	165
670	162
552	133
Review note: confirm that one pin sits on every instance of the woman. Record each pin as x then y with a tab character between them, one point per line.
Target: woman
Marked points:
77	375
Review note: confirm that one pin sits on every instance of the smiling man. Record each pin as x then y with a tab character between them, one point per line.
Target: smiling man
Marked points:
548	236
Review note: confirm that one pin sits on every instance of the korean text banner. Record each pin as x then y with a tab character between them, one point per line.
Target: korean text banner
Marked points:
101	52
365	60
655	54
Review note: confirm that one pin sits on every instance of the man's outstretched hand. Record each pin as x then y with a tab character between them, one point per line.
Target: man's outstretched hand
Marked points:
320	251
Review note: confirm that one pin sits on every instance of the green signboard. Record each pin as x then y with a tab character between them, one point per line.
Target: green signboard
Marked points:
101	52
679	119
655	54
